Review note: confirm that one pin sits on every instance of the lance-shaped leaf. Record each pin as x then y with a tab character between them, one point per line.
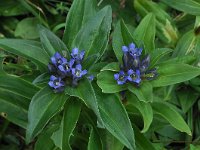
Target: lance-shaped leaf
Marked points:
12	104
166	29
172	116
114	66
189	6
17	85
115	118
145	32
157	54
78	15
29	49
144	92
188	44
142	143
144	108
71	113
93	36
121	36
44	105
106	81
45	137
50	42
169	74
94	140
85	92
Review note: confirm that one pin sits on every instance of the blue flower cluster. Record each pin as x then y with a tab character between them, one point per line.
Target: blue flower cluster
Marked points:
134	68
66	72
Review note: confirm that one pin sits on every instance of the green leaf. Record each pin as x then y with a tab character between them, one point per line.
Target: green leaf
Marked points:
11	8
85	92
94	35
144	108
189	6
187	45
108	84
166	30
71	113
172	116
121	36
157	54
144	92
50	42
169	74
45	137
94	141
44	105
116	120
27	28
34	10
111	142
145	32
114	66
187	98
17	85
29	49
12	104
80	12
142	143
187	59
95	69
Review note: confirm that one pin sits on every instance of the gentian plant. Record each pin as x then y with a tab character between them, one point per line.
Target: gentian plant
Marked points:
66	72
134	69
107	82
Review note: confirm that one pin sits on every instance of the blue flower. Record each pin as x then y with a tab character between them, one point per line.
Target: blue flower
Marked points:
66	66
120	77
134	76
56	83
76	55
91	77
57	59
132	50
77	72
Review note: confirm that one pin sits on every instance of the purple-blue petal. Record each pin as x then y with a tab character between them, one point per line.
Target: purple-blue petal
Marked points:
132	46
79	67
130	72
53	60
52	78
84	72
124	49
119	82
57	55
91	77
116	76
138	80
71	62
64	60
121	73
138	72
75	51
61	68
129	78
51	84
73	71
82	53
